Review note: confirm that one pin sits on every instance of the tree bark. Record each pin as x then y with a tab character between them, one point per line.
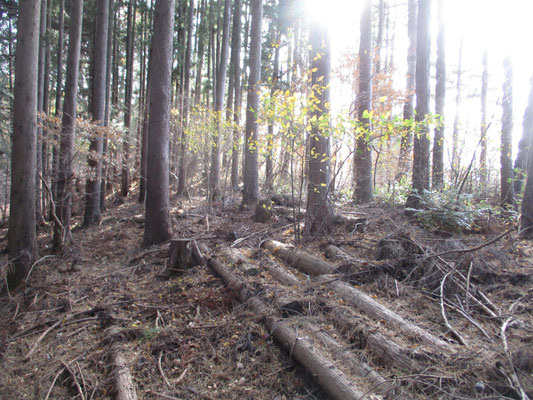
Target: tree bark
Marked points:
250	193
158	226
363	192
319	208
440	96
420	179
22	240
214	175
130	51
92	184
63	199
506	160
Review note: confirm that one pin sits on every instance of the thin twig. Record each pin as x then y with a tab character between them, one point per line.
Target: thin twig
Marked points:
443	311
517	386
53	383
161	370
40	338
165	396
74	378
495	239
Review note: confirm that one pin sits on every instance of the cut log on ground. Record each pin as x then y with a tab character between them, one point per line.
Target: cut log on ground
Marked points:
124	386
298	259
329	377
355	297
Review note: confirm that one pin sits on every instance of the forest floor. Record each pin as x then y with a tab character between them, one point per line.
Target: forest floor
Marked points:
187	335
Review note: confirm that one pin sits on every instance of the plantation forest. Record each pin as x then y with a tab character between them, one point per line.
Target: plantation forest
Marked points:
266	199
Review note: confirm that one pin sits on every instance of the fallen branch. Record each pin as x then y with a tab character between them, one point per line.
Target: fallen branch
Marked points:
66	367
443	312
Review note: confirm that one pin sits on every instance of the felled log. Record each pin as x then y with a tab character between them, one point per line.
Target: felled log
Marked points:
298	259
353	361
351	295
329	377
124	386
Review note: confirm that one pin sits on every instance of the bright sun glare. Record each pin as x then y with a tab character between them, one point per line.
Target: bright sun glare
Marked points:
501	28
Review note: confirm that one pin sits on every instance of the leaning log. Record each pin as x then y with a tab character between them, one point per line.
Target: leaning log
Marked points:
355	297
329	377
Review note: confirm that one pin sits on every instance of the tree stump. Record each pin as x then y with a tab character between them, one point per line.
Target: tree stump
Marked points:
263	211
183	254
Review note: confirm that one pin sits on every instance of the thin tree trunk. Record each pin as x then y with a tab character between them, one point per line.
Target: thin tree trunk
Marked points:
506	160
319	209
158	226
40	108
406	142
92	184
236	62
526	217
270	150
63	198
456	156
184	140
522	158
22	238
363	192
130	51
250	193
46	105
483	154
420	180
214	175
440	96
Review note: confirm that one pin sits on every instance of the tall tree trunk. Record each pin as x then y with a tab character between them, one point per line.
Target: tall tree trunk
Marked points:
440	96
456	156
130	51
40	109
200	55
270	150
106	158
363	192
506	159
319	208
59	89
483	154
92	184
522	158
420	180
406	141
236	62
46	104
63	198
526	217
184	140
379	37
22	238
250	193
158	226
214	175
